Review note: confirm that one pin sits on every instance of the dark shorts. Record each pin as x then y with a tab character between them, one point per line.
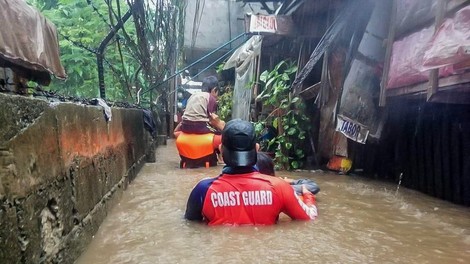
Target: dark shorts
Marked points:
197	128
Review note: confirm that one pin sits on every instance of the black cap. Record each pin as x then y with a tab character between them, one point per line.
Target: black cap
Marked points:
239	143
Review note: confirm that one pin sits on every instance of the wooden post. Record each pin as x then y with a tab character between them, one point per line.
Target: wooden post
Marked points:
256	87
388	54
324	82
256	77
434	74
171	106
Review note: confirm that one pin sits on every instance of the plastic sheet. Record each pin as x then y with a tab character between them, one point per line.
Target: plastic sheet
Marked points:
411	13
416	54
29	40
407	59
406	64
243	61
451	42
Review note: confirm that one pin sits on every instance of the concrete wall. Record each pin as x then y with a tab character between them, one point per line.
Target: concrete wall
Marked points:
220	22
62	168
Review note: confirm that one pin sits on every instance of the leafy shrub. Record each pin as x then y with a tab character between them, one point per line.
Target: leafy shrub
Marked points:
287	116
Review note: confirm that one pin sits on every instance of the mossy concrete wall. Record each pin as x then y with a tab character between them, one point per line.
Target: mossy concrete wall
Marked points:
62	168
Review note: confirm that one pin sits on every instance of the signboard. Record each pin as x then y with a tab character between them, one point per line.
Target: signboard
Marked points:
352	129
271	24
261	23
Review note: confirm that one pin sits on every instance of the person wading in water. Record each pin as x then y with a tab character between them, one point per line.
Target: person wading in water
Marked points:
241	195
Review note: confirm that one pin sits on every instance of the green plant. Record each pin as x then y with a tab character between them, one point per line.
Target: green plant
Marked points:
225	103
136	60
219	68
287	116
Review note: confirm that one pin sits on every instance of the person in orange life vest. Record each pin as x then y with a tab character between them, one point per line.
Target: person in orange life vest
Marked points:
200	116
241	195
265	165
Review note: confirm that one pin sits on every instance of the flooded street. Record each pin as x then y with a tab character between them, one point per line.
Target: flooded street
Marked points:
360	221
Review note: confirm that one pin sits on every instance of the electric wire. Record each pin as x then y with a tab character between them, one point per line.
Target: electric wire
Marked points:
194	63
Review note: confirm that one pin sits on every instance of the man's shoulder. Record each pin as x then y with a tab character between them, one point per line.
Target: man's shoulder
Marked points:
203	185
254	176
275	181
207	180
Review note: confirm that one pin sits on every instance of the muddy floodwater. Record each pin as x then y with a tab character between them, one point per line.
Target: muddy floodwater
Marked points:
360	221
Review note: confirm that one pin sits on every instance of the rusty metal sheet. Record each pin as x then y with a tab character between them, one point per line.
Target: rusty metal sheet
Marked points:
345	19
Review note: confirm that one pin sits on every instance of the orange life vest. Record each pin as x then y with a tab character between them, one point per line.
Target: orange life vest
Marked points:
195	146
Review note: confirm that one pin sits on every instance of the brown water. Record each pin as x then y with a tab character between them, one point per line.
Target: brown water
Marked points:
360	221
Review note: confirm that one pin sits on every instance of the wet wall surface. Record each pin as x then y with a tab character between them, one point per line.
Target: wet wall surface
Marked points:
62	168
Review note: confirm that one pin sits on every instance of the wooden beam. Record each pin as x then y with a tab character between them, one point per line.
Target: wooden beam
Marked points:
455	79
256	86
434	74
411	89
310	92
451	81
388	54
325	83
266	7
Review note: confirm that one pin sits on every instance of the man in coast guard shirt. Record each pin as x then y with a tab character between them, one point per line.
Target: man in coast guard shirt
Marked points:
241	195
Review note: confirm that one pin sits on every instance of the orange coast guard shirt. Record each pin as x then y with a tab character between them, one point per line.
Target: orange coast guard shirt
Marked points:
247	198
